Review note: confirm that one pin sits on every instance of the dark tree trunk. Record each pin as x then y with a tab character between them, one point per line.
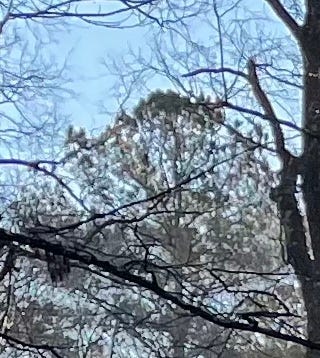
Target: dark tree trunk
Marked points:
310	40
311	294
307	268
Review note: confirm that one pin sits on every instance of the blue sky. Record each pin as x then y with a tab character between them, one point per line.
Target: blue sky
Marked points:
86	46
89	48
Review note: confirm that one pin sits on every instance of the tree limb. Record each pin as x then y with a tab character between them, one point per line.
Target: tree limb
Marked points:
87	258
283	14
216	70
268	109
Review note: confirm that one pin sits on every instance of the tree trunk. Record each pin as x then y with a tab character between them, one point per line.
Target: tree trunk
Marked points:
179	337
181	239
307	269
306	167
311	295
310	282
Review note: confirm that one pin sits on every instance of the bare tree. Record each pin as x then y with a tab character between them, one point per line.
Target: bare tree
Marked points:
271	93
258	80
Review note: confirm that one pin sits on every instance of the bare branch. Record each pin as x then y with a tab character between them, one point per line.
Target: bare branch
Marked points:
36	165
40	347
6	17
268	109
88	259
65	9
283	14
216	70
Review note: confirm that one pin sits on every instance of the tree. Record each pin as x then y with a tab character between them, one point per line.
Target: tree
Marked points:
249	85
168	177
32	94
260	77
166	141
35	84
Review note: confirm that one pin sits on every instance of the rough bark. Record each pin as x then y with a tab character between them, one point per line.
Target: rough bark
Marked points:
311	295
311	158
307	269
308	166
